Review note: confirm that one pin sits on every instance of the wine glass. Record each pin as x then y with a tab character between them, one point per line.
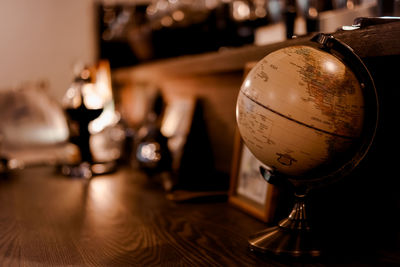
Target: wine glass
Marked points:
82	104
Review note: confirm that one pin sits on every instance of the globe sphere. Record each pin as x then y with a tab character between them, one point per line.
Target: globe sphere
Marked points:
300	108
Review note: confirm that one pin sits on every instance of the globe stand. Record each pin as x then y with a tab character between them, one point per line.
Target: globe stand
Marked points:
293	235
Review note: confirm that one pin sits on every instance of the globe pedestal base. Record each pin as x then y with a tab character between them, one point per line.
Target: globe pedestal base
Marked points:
292	237
280	241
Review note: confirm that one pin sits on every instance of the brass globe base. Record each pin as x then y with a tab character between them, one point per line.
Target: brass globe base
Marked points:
292	237
281	241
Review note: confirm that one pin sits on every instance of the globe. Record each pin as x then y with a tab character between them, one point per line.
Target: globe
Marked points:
300	108
309	113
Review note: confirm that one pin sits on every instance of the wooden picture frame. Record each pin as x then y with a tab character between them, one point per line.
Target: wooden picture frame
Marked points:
248	189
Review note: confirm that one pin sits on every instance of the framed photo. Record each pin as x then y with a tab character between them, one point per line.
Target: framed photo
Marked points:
248	189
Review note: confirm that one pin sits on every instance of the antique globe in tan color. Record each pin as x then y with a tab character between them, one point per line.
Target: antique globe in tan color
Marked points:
298	108
309	113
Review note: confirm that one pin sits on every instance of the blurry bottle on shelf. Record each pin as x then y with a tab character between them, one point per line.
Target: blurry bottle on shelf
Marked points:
3	165
3	159
151	147
311	10
290	14
312	15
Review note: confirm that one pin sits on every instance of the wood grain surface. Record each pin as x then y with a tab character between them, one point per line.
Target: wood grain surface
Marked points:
123	219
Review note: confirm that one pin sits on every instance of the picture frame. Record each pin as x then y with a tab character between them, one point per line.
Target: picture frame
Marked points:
248	189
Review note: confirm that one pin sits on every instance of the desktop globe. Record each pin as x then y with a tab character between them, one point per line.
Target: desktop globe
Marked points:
309	113
299	108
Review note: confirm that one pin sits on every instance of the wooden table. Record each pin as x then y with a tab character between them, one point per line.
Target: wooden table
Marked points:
124	219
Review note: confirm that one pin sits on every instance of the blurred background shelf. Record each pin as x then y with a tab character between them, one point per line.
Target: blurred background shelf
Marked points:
216	77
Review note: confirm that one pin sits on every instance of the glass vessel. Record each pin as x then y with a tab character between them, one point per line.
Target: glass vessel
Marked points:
82	104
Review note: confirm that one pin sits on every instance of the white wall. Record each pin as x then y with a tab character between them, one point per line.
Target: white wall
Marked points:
43	39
